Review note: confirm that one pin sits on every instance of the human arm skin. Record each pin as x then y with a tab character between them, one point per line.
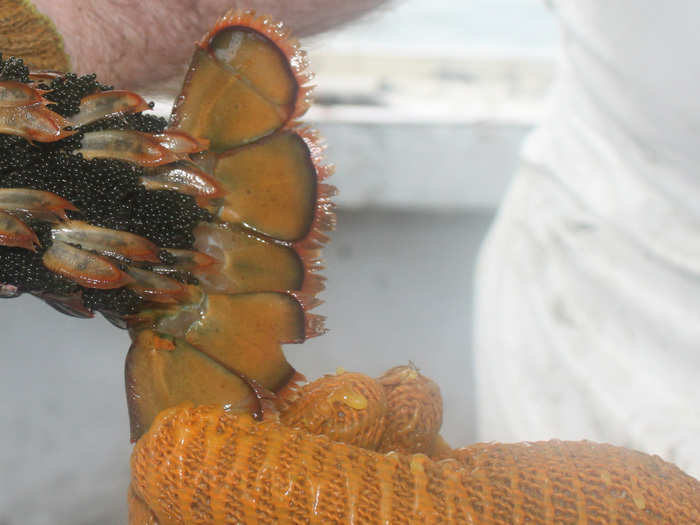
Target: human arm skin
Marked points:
133	43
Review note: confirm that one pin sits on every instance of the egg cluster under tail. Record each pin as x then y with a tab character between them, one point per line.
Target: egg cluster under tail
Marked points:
77	229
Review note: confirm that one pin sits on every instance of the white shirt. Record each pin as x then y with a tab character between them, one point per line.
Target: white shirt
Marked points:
588	290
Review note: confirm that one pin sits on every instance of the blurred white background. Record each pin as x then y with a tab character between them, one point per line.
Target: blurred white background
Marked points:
424	111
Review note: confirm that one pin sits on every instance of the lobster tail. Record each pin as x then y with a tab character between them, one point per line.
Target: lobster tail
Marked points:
201	237
245	87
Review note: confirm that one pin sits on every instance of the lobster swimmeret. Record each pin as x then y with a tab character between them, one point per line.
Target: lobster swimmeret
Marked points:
202	238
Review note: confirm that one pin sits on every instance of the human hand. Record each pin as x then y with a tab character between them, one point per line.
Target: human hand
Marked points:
131	43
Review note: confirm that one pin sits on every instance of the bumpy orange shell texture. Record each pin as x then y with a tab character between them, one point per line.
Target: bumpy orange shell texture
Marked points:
346	407
203	465
414	414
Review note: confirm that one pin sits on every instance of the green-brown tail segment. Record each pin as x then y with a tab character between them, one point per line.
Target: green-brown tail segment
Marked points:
221	342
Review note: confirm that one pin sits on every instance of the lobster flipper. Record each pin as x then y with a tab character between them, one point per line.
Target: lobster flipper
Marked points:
245	88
